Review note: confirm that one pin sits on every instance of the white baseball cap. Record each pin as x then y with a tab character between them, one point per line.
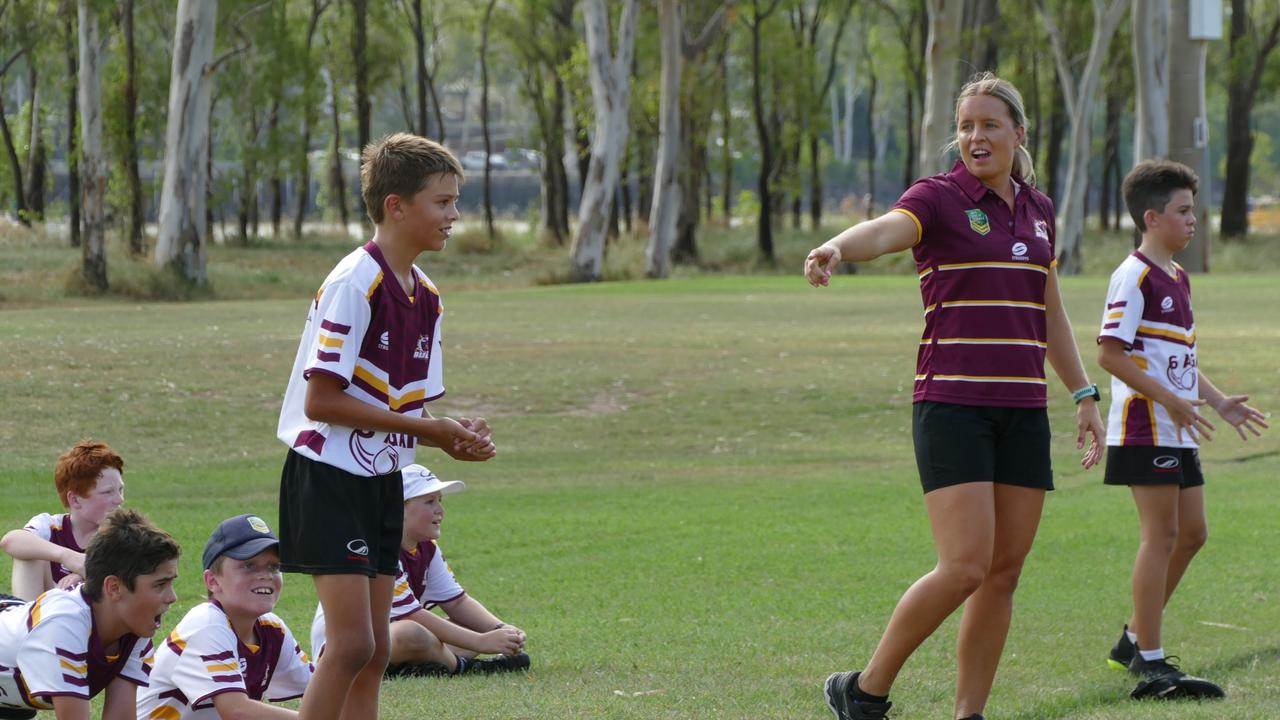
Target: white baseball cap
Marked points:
419	481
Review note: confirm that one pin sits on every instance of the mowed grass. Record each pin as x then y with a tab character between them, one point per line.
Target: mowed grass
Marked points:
705	499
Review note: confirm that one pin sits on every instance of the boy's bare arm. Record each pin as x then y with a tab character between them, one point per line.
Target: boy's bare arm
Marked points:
74	708
326	402
479	450
504	639
1112	358
238	706
1233	409
25	545
121	702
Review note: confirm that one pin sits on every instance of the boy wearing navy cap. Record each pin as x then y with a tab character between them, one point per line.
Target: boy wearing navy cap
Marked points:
231	653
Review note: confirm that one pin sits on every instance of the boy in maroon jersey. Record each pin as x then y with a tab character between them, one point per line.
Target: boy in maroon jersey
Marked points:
369	361
49	551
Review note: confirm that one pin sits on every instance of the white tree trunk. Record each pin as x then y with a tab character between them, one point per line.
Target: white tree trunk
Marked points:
181	242
942	55
665	207
850	96
93	170
611	98
1150	20
1079	94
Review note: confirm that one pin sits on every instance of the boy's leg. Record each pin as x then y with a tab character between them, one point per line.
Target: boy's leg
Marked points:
1193	531
985	622
413	644
30	578
362	696
1158	521
349	644
962	518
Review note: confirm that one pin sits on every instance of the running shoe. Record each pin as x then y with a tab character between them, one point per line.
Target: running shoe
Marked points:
1122	652
839	696
11	713
498	664
1163	680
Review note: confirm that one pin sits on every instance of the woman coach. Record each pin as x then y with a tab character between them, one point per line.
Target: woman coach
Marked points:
983	241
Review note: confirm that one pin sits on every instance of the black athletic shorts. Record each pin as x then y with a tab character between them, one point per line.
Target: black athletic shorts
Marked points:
958	444
1153	465
333	522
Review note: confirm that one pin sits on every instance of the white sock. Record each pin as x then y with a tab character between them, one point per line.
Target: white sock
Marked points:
1133	637
1149	655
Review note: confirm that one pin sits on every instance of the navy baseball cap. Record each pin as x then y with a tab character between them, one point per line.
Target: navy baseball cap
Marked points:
240	537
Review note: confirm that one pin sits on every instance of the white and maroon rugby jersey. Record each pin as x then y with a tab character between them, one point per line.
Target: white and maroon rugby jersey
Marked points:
49	647
57	530
203	658
983	270
1150	312
384	347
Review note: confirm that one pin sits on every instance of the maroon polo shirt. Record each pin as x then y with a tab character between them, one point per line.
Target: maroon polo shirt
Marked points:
983	269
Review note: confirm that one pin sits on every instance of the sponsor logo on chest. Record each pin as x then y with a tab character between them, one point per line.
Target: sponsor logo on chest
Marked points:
1042	230
1019	250
384	340
422	350
1166	305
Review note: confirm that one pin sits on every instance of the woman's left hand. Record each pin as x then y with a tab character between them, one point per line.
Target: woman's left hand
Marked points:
1088	420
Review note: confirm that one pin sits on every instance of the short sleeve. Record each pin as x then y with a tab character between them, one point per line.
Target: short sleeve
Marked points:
54	657
441	585
209	665
43	524
920	203
342	316
293	671
1124	308
403	602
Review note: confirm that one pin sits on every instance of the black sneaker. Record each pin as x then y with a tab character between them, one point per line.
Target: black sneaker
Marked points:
430	669
498	664
1163	680
11	713
1122	652
975	716
838	691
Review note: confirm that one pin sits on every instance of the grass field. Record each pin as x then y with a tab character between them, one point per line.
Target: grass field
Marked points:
704	501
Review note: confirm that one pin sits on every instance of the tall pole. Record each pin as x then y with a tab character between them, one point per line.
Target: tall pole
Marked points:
1192	23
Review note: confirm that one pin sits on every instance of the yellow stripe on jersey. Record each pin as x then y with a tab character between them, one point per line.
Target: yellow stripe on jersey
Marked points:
270	623
165	712
395	403
987	378
374	286
332	342
1053	264
914	219
997	265
926	272
993	303
989	341
36	611
423	282
1139	361
1115	315
82	668
1143	275
176	639
222	667
1171	334
1155	424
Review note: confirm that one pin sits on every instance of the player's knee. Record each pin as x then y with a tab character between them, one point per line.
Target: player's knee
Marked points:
965	576
1003	577
1193	538
350	652
415	644
1162	539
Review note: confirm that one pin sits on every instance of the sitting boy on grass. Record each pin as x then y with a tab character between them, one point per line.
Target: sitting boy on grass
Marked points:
67	646
48	552
422	642
229	654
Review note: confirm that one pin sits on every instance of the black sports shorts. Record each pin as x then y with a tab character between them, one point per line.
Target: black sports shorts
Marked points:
958	444
1153	465
333	522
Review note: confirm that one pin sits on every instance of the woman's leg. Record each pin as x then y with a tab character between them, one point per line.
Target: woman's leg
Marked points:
987	612
1158	521
1193	531
962	518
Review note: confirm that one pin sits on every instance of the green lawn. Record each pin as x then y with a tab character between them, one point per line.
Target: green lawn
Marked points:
704	500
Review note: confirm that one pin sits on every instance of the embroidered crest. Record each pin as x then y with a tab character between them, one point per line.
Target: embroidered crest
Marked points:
978	221
1042	230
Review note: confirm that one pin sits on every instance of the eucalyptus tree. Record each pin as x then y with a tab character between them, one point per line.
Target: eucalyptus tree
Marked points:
610	70
92	160
1255	32
1079	89
18	34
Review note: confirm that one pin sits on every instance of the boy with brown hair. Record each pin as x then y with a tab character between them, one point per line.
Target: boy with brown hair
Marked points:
1148	344
355	411
49	551
67	646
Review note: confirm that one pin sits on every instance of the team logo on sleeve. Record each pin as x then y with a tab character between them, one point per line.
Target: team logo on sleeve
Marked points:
1042	230
978	221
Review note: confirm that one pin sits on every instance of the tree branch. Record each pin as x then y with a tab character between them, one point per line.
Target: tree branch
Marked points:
691	48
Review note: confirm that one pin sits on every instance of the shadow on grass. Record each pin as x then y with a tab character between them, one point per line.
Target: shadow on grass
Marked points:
1099	698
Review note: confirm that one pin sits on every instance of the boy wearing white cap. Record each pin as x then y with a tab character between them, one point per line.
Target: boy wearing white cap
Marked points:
229	654
422	642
